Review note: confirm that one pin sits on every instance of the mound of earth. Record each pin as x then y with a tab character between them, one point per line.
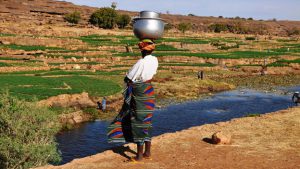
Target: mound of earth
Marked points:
266	141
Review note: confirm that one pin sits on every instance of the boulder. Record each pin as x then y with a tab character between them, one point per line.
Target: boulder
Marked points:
221	138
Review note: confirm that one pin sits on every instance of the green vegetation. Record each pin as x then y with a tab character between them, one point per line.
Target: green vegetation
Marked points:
28	87
167	48
289	61
227	55
2	64
183	27
104	18
6	34
30	48
27	134
250	38
189	64
217	28
73	17
123	20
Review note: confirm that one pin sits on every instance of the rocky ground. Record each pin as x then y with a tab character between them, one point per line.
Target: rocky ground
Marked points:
266	141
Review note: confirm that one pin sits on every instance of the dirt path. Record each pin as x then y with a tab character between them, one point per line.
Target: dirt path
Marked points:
268	141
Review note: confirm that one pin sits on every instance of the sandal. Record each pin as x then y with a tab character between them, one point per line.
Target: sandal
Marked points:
133	160
147	158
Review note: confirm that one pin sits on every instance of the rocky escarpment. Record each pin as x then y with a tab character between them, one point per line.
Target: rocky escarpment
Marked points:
43	12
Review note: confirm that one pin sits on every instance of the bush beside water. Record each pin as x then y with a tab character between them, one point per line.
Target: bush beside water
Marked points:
26	134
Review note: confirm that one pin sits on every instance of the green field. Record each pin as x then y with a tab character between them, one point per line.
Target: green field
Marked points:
29	87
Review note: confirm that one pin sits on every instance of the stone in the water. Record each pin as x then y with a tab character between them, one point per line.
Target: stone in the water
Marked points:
221	138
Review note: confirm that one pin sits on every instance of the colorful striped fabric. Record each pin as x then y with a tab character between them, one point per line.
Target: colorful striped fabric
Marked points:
134	122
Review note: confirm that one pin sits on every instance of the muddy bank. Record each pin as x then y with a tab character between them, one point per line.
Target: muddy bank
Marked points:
270	140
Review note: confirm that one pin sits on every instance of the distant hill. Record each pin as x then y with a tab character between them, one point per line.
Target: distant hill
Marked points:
50	11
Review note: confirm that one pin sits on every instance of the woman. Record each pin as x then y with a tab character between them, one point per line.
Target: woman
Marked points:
134	122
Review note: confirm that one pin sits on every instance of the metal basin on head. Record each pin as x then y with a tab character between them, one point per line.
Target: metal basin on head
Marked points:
148	26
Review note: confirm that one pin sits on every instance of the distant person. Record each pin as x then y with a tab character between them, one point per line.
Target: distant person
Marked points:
104	104
99	105
200	75
134	122
296	98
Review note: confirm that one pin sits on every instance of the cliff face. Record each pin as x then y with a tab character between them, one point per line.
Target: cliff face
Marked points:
49	11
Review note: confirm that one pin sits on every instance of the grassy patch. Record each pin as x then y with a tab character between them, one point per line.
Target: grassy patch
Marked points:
7	35
2	64
29	87
164	47
189	64
30	48
228	55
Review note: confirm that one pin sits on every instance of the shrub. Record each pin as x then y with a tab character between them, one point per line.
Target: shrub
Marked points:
250	38
123	21
294	31
217	28
26	134
104	18
168	27
73	17
183	27
191	14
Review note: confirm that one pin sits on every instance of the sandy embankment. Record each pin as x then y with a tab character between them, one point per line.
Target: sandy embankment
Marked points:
268	141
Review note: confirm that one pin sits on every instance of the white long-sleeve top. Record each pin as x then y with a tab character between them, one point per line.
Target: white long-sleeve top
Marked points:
144	69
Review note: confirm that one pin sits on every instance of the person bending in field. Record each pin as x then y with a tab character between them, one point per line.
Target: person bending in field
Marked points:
134	122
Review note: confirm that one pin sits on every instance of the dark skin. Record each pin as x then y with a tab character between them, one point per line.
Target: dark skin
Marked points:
140	148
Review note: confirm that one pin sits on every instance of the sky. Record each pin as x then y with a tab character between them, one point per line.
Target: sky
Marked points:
257	9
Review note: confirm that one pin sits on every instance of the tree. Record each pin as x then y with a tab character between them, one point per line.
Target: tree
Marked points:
73	17
27	134
123	20
183	27
114	5
104	18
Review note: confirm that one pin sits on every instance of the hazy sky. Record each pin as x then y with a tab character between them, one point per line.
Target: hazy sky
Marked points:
258	9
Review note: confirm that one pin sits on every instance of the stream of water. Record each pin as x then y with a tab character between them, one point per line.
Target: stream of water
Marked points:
90	138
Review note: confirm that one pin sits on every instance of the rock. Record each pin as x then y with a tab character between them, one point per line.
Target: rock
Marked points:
221	138
74	59
4	42
76	67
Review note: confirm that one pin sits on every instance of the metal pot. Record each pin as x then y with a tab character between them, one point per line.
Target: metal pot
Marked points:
149	14
148	26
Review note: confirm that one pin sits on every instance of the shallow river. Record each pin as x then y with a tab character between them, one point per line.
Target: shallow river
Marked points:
90	138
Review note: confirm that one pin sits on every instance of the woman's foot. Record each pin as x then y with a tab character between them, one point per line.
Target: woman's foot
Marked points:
135	160
147	155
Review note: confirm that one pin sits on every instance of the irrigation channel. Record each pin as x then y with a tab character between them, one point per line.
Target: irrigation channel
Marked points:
90	138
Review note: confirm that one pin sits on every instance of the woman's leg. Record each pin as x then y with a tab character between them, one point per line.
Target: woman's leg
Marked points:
147	149
140	148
